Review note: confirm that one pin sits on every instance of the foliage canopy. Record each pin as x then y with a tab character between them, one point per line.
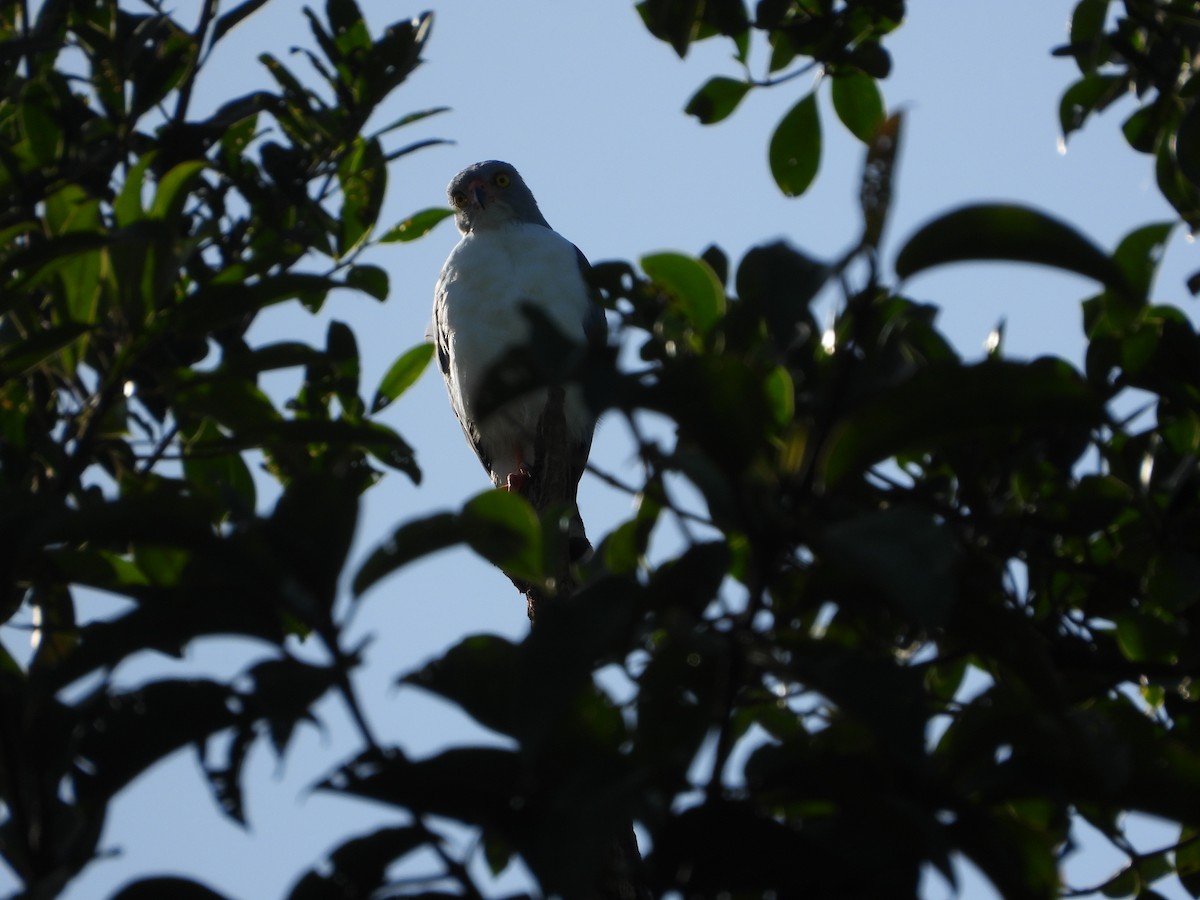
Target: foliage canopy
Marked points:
937	607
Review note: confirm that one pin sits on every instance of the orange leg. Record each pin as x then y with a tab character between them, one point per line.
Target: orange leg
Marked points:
519	477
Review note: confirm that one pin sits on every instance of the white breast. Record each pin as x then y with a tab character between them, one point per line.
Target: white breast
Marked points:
484	284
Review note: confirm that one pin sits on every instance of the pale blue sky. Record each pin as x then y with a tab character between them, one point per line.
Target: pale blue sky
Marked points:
589	107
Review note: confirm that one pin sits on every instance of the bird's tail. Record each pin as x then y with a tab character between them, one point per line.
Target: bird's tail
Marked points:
579	547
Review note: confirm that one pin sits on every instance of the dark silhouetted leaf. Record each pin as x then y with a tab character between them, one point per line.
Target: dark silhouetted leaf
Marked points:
480	674
942	405
21	356
409	542
371	280
166	886
477	785
1091	93
358	868
717	99
234	17
1012	233
905	555
1139	254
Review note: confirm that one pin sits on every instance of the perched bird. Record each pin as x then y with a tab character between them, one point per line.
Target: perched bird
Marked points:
509	259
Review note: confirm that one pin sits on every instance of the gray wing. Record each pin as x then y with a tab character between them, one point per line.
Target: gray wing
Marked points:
595	325
441	340
595	329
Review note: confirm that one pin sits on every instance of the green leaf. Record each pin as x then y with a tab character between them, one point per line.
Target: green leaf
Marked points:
401	376
858	103
1087	32
362	175
1187	859
1143	638
502	527
479	674
38	113
1139	254
717	99
20	357
409	542
781	395
128	205
624	548
1011	233
691	283
223	477
173	189
417	225
234	17
1187	144
1087	95
795	152
219	303
371	280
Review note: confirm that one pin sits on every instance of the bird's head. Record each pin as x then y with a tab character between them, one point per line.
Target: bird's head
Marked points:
490	194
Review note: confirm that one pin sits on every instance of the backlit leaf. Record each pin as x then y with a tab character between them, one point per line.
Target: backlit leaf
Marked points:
417	225
858	103
402	375
795	152
691	283
1011	233
717	99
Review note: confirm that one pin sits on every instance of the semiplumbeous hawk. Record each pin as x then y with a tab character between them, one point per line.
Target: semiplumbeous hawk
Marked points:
508	259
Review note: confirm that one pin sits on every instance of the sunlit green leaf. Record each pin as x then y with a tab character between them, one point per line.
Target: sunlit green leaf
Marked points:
173	189
416	225
691	283
502	527
402	375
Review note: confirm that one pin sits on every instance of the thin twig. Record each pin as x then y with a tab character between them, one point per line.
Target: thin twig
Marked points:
207	14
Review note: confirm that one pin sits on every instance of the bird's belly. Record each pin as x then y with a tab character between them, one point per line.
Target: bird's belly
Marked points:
493	280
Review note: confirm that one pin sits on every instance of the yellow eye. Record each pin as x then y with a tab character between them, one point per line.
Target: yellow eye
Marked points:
501	180
459	199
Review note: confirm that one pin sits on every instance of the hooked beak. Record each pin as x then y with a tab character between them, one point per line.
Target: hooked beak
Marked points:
479	193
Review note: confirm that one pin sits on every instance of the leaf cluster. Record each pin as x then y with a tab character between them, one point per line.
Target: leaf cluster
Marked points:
841	37
1148	50
138	449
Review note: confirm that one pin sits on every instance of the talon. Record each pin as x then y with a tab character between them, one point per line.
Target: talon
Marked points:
517	480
